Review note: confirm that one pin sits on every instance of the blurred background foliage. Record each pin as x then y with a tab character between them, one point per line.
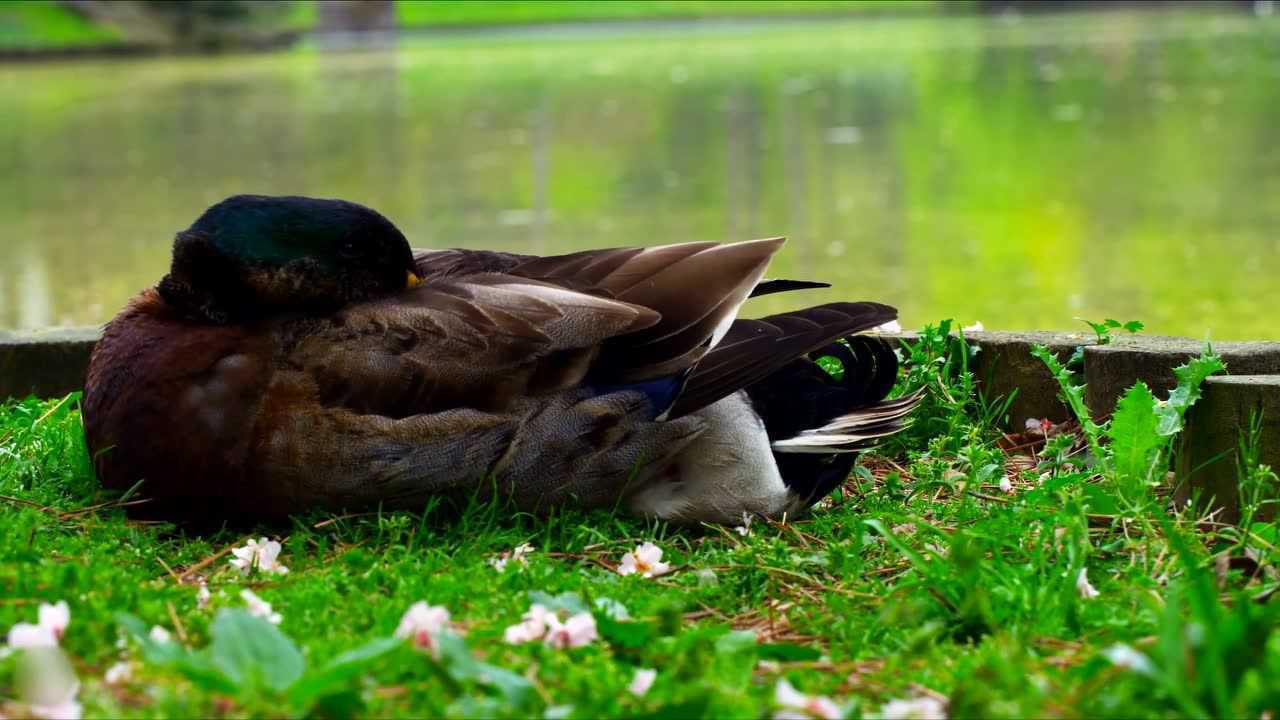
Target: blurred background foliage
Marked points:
1011	168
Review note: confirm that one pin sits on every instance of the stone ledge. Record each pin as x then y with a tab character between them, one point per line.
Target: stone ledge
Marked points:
1113	368
1207	462
47	363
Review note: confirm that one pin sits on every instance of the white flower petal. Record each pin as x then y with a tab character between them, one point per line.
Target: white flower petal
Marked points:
1126	657
975	327
69	710
159	634
577	631
921	708
25	636
48	685
642	681
786	695
645	560
119	673
422	623
628	565
262	554
260	608
55	618
1083	587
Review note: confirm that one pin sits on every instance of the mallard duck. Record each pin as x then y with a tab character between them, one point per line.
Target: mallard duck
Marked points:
299	355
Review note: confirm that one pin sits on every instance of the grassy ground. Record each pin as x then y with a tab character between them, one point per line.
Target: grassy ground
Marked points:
924	578
40	25
427	13
46	25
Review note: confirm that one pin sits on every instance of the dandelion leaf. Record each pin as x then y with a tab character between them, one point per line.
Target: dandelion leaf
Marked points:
1190	377
247	649
1135	443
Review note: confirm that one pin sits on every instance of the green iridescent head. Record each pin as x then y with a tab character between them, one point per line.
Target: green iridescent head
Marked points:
251	255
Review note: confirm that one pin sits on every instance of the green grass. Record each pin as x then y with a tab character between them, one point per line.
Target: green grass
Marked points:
422	13
46	25
921	577
41	24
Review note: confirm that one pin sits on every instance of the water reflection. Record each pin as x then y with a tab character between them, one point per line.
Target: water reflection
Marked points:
1022	174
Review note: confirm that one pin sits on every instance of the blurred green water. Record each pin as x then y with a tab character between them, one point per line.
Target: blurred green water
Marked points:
1014	172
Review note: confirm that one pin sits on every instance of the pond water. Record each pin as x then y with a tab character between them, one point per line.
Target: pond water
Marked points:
1018	172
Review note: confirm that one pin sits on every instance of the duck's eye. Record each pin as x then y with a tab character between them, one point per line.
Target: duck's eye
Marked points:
349	249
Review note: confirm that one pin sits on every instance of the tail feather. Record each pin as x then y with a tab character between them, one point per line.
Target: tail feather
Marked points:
818	421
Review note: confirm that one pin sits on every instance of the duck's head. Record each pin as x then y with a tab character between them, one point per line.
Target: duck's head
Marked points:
250	256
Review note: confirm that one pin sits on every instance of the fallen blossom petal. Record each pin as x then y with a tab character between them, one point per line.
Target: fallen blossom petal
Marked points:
69	710
745	528
628	565
577	631
921	708
520	555
794	704
645	560
260	608
1083	587
975	327
642	681
520	634
24	636
1006	485
786	695
159	634
55	618
202	597
262	554
423	623
1124	656
48	685
121	672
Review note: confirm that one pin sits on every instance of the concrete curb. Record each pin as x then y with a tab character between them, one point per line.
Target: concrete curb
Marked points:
46	363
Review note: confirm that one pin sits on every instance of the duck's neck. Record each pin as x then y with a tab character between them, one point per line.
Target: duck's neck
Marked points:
204	284
190	302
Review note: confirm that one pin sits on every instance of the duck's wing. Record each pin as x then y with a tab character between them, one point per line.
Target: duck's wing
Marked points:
581	270
754	349
454	262
551	393
481	341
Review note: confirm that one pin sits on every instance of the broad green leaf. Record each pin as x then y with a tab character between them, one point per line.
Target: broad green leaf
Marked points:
248	649
462	666
612	609
570	602
331	678
1135	444
195	666
735	641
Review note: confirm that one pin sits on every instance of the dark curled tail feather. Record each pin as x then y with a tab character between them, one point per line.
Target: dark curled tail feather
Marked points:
817	419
